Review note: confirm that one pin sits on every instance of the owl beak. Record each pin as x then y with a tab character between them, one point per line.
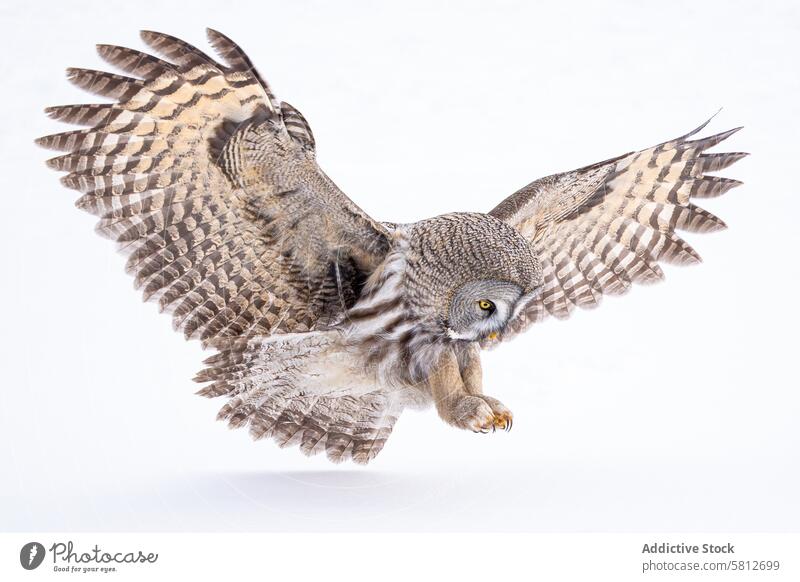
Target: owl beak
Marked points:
492	336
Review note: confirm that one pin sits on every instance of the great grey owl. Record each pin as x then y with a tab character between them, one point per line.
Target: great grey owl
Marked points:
327	323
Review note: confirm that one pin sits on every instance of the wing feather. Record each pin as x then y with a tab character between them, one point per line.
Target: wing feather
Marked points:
134	62
603	227
210	185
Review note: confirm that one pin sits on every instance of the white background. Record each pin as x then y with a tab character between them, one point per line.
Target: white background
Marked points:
674	408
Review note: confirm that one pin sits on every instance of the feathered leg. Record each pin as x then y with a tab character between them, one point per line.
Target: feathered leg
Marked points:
455	404
469	364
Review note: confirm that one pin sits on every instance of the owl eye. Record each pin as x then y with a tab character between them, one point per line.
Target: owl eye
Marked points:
486	305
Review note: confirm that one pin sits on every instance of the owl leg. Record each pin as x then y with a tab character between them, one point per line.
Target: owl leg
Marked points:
455	405
469	363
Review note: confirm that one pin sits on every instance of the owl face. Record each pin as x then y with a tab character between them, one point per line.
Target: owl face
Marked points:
468	274
480	309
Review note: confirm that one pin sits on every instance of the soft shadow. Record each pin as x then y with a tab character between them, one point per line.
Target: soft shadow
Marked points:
307	500
336	479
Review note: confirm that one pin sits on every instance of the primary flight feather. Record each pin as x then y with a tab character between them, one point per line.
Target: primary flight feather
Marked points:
327	323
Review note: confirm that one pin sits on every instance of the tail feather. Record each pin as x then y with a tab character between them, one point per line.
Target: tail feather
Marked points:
275	388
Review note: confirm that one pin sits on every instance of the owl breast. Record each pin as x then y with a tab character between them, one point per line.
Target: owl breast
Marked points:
391	341
397	329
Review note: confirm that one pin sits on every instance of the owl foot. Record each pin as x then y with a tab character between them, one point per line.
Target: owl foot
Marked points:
503	419
480	414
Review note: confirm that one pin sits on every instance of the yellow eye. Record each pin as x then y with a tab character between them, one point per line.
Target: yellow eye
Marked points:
486	305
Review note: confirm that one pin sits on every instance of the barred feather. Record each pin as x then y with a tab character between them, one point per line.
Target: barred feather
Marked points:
176	50
89	115
297	126
237	60
134	62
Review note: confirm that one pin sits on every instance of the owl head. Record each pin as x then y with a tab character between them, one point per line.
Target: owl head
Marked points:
469	274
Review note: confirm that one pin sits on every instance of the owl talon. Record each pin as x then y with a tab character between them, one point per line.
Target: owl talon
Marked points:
501	416
478	413
502	421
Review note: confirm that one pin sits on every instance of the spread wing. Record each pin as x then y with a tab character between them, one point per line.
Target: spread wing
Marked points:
601	228
211	187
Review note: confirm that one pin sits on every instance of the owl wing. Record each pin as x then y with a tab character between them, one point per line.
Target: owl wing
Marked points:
211	187
601	228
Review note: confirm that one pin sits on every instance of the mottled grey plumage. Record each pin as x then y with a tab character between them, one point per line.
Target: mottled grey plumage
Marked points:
445	252
326	323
